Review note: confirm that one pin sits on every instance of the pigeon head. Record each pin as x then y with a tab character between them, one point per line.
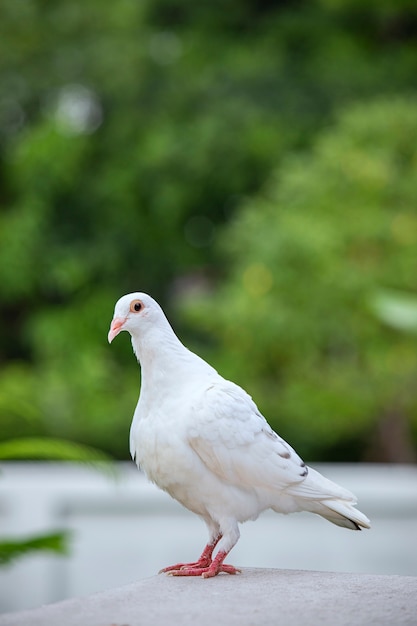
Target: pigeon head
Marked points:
134	312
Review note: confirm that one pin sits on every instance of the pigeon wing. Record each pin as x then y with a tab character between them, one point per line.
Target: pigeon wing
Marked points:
236	443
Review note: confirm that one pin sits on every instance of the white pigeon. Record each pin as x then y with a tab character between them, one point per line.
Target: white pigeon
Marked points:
202	439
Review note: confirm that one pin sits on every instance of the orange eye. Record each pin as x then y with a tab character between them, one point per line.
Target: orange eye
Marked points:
136	306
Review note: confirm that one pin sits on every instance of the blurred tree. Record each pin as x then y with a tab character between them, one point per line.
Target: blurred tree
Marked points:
305	320
130	133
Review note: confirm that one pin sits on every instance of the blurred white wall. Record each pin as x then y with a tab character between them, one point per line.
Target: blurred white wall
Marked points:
126	529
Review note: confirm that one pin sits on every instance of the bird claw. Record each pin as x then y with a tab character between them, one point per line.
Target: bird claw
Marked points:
207	571
204	567
226	569
201	563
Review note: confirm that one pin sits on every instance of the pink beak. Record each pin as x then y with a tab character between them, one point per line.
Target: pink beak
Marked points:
115	327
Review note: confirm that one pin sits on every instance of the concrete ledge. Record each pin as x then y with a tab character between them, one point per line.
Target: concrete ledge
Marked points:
257	597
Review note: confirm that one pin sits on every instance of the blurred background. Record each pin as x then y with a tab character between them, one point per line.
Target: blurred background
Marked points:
253	166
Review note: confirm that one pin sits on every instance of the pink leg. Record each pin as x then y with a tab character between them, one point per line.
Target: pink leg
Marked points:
207	571
203	562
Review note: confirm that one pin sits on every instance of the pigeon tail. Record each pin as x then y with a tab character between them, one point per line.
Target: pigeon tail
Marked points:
341	513
326	498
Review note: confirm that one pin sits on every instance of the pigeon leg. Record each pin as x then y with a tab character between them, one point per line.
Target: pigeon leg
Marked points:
203	562
215	567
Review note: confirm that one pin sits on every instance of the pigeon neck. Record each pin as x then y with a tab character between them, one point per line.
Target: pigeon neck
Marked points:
159	350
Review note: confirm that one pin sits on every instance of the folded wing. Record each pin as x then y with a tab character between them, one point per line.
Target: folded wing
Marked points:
236	443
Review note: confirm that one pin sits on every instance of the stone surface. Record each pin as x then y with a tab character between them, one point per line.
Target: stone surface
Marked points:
257	597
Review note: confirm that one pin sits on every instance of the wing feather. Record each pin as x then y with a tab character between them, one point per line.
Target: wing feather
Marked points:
236	443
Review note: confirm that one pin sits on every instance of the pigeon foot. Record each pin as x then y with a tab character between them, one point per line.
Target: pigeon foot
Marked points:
205	570
203	562
200	564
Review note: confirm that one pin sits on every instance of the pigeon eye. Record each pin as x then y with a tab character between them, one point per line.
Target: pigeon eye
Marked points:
136	306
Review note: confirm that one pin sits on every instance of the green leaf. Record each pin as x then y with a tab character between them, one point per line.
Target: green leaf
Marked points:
396	309
55	449
14	549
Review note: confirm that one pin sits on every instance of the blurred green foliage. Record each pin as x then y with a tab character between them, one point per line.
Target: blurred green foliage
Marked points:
12	550
315	315
137	135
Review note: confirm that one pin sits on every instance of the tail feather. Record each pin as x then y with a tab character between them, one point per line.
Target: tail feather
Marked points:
324	497
341	513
